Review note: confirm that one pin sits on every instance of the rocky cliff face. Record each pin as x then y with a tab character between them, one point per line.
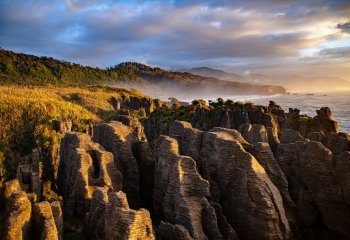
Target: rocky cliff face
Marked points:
249	173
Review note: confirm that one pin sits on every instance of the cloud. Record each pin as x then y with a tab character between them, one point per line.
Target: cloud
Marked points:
336	53
345	27
175	33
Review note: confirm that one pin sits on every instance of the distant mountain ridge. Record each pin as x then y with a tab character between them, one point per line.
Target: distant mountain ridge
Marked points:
294	83
211	72
24	69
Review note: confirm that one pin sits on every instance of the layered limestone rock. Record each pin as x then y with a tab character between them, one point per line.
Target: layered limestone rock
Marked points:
253	133
121	222
336	142
44	226
28	174
324	120
251	203
135	124
319	187
262	116
256	135
290	136
190	139
84	166
119	139
136	103
58	217
133	158
180	194
62	126
111	218
16	212
17	223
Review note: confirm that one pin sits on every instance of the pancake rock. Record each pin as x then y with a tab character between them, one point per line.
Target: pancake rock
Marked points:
119	139
319	187
251	203
84	166
44	226
111	218
16	212
180	195
132	156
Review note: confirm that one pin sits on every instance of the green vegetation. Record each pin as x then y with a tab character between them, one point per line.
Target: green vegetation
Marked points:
28	114
23	69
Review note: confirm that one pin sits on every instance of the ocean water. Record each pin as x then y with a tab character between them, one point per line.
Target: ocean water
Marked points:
339	103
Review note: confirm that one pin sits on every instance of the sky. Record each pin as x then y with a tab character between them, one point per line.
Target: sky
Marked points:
310	37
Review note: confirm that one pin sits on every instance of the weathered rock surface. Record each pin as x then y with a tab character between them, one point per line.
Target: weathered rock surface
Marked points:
253	133
324	120
180	193
168	231
119	139
316	184
256	134
251	203
17	223
133	158
290	136
58	217
84	166
336	142
44	226
28	174
135	124
111	218
136	103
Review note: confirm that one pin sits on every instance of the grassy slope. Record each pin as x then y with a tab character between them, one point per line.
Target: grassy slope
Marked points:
27	114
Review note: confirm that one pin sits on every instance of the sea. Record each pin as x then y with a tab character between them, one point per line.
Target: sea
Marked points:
307	103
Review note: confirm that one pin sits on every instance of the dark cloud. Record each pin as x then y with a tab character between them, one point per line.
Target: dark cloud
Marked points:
336	53
345	27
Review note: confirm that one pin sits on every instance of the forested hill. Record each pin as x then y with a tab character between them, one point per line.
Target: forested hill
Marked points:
23	69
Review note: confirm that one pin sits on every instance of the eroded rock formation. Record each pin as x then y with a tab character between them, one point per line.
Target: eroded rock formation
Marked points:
17	212
111	218
132	157
317	185
249	198
180	195
84	166
246	173
26	219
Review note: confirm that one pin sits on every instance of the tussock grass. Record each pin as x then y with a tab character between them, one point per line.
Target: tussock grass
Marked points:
27	113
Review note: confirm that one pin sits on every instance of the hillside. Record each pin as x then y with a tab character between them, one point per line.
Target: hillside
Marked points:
23	69
188	85
216	73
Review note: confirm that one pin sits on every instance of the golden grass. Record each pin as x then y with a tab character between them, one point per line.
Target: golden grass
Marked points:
23	108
